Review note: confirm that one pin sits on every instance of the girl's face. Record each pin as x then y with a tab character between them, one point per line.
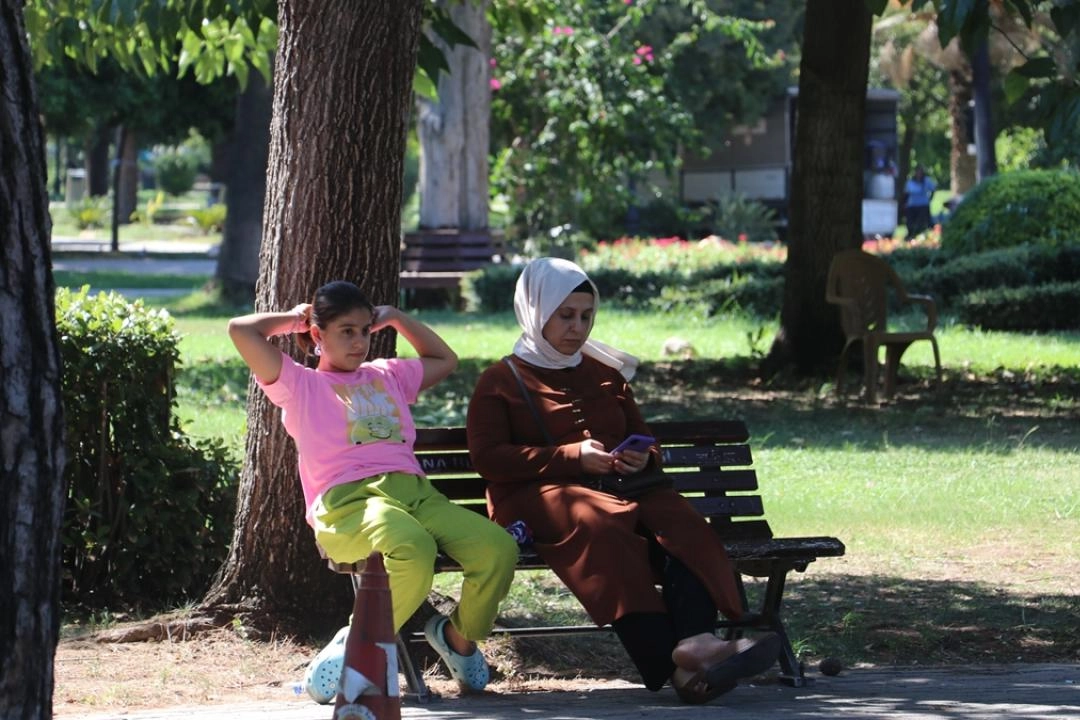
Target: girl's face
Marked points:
568	327
345	341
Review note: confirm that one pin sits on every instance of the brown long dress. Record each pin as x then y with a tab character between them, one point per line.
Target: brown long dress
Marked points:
596	543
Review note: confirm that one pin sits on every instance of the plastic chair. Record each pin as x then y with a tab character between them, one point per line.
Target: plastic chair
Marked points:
859	282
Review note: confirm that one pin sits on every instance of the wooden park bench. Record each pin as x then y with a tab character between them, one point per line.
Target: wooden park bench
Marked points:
439	259
710	463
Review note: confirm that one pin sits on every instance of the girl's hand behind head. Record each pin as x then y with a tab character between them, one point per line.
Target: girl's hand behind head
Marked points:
303	318
384	316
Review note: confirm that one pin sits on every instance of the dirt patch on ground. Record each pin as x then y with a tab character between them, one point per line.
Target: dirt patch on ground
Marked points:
221	668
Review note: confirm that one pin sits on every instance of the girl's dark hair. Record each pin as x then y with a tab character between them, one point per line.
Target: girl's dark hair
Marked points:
585	287
331	301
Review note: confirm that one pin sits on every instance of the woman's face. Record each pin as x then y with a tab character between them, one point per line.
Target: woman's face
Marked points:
345	341
569	326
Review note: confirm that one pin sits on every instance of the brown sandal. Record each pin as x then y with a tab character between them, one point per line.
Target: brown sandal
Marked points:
724	675
698	691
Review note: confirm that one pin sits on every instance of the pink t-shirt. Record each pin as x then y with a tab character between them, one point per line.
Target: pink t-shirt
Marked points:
348	426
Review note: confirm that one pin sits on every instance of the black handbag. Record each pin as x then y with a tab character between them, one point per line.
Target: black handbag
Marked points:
632	487
629	487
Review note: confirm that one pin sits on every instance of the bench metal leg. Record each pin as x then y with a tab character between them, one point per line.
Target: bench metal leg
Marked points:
730	631
770	611
414	678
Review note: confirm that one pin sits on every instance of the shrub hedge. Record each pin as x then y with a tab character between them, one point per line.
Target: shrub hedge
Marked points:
1028	206
149	514
950	278
756	285
1051	306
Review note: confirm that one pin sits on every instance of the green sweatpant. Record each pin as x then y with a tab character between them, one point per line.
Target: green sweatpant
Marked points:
407	520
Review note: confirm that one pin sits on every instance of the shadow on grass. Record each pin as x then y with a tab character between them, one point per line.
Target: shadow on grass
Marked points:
885	620
859	620
967	411
1003	411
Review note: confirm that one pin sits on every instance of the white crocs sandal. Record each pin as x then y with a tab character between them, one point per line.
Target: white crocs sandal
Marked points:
323	675
470	671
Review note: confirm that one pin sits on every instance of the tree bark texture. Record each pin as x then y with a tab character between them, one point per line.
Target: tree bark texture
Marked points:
342	91
454	129
961	164
31	412
826	185
98	177
985	154
128	164
238	260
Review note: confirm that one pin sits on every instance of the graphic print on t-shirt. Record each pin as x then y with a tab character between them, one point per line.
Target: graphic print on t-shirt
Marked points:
372	413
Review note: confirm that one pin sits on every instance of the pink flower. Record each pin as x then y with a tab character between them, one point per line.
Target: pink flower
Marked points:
628	2
494	83
560	30
491	62
637	60
743	237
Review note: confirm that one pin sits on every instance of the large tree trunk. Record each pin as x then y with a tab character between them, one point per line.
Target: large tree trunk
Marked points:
961	163
985	154
342	90
128	198
238	260
454	130
98	177
826	183
31	413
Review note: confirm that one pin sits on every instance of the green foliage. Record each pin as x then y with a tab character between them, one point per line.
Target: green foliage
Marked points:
153	206
1018	149
209	220
491	289
756	295
1041	206
210	39
583	110
736	217
175	171
950	278
148	514
1051	306
90	212
704	278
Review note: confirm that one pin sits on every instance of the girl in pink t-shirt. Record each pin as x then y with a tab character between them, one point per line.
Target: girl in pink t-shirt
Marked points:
363	486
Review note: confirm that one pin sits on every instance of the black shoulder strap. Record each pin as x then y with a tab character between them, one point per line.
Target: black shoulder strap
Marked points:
528	399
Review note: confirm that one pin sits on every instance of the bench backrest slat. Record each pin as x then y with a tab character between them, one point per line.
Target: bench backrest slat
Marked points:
707	456
714	481
435	251
707	462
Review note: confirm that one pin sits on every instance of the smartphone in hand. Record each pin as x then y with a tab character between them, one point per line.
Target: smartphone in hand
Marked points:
637	443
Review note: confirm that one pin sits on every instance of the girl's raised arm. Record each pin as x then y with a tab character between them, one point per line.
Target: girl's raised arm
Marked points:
438	358
249	334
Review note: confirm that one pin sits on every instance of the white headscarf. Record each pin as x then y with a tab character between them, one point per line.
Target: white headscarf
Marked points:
542	287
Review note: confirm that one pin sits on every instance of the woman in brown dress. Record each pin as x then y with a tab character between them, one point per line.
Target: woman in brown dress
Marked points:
612	553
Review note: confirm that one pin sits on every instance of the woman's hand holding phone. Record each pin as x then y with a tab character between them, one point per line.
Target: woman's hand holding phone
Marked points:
632	454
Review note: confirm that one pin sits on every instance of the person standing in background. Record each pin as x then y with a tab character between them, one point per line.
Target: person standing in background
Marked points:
917	193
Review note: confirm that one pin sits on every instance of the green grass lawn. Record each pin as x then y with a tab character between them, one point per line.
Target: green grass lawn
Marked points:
960	506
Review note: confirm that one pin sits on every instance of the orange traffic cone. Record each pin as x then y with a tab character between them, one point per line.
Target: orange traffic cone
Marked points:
369	677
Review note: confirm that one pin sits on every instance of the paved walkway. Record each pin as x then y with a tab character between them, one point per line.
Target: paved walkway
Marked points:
1027	692
149	257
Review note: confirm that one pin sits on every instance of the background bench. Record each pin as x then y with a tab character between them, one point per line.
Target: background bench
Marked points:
438	259
710	464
